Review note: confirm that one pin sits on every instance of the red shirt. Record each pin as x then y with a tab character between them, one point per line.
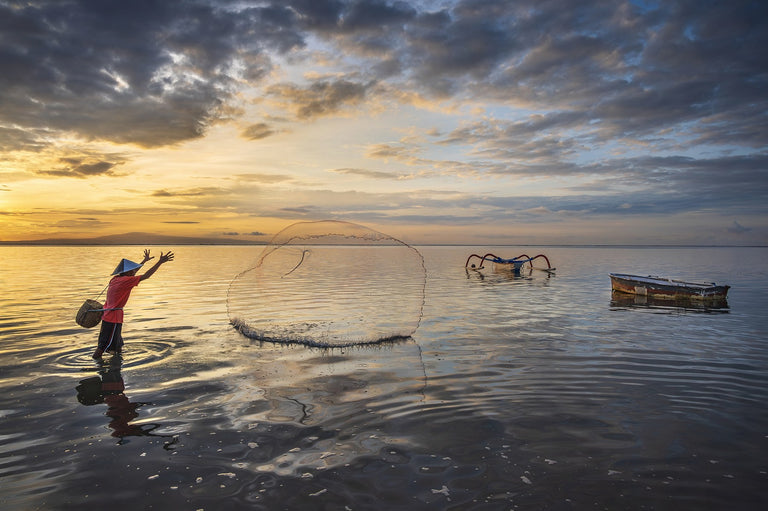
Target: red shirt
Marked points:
117	296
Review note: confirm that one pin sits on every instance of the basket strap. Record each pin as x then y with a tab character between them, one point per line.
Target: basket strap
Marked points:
103	310
102	291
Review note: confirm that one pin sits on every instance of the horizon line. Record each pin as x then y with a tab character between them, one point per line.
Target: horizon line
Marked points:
54	243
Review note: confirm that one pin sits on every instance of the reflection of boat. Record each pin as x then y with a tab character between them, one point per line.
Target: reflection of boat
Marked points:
498	274
515	264
662	288
633	301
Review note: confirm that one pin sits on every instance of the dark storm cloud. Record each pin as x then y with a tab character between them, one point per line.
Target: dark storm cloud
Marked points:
156	73
634	69
143	72
376	14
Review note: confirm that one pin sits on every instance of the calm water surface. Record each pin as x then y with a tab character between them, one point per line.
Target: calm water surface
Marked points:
515	392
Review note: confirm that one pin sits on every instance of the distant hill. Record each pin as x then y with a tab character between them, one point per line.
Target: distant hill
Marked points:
136	238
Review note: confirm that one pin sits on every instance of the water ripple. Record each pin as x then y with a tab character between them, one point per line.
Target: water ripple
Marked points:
530	393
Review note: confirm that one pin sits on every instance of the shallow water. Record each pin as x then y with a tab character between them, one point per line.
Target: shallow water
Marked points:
515	392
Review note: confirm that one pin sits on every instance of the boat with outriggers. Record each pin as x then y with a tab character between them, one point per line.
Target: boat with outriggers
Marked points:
515	265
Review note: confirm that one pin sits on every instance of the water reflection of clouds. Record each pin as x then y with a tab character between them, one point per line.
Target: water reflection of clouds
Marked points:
339	395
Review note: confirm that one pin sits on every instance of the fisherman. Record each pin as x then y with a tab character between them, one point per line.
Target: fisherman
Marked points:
110	336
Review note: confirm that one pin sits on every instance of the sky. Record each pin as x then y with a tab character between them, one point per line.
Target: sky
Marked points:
437	121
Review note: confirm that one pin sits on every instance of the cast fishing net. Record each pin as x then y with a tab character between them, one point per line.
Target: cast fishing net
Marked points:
327	284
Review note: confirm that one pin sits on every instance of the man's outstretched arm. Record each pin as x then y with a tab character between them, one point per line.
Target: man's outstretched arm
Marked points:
164	258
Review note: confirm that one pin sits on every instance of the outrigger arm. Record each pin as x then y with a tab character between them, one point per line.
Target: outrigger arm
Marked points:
517	262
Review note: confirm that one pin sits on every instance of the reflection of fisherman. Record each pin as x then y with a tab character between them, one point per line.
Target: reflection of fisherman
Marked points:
109	389
110	336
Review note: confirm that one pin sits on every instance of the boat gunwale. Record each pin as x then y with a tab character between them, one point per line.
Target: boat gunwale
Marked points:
652	279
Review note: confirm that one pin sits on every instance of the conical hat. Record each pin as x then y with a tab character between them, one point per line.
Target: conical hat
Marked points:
124	266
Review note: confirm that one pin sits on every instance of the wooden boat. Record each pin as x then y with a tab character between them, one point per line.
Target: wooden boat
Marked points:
663	288
515	264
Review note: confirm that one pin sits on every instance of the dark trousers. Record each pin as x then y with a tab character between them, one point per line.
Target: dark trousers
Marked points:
110	336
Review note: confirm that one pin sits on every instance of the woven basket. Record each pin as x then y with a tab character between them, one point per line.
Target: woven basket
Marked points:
89	314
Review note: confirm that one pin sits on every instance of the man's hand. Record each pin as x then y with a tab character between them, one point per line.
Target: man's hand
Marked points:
147	257
164	258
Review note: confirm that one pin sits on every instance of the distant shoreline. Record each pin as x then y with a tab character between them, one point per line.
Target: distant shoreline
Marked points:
151	239
237	243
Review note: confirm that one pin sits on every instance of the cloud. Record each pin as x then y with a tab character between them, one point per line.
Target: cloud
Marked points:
657	105
258	131
162	72
737	228
205	191
320	98
82	223
256	177
375	16
154	74
84	166
373	174
301	210
390	151
725	182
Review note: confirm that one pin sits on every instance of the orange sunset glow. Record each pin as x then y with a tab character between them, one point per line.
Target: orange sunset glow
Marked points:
436	121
